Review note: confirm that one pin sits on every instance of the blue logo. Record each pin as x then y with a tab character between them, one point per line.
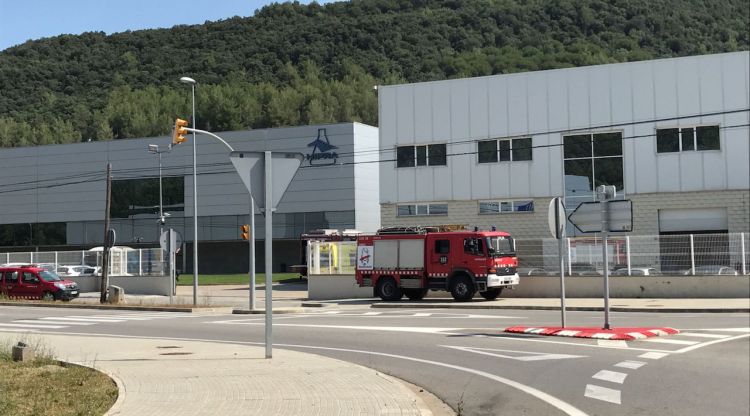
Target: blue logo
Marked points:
322	153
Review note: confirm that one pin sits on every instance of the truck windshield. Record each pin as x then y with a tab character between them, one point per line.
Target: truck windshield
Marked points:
500	246
48	276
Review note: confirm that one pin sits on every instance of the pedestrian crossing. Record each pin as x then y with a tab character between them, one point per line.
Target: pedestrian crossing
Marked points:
78	321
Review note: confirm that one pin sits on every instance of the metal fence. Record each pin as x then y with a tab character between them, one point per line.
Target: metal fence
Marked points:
122	261
692	254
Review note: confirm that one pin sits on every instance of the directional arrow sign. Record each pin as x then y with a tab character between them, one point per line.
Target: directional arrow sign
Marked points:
587	217
251	168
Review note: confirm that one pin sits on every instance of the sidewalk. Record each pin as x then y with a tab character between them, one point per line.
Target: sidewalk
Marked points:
168	377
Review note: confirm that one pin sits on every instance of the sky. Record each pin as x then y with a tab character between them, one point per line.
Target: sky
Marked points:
22	20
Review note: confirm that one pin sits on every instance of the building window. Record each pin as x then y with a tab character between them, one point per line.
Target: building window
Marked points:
504	150
423	155
687	138
410	210
591	160
139	198
505	207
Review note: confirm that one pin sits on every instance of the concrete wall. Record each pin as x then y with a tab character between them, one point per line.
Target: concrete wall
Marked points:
342	286
133	285
323	287
634	287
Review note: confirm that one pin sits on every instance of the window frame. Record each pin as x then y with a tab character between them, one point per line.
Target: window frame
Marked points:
692	127
426	205
416	157
501	202
499	151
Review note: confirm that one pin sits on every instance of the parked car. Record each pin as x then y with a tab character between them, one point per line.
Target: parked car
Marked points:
636	271
77	270
35	283
584	269
712	270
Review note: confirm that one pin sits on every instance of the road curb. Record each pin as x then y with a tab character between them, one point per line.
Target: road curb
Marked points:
557	308
318	305
206	310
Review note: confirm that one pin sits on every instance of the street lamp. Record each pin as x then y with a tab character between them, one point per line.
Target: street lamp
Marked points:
154	149
188	80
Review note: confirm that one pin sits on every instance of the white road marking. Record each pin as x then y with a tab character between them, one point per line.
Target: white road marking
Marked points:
422	314
653	355
17	330
633	365
372	313
81	319
612	343
745	330
330	312
670	341
611	376
424	330
716	341
530	356
700	335
41	321
32	326
602	393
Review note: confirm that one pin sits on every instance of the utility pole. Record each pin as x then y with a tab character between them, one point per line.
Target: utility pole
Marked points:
106	245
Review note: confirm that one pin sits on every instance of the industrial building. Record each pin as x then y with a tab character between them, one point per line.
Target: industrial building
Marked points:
53	197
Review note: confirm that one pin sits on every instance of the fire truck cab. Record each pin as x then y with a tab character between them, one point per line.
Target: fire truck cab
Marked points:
410	261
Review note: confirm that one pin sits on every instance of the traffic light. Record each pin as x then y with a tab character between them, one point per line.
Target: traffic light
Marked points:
245	232
178	136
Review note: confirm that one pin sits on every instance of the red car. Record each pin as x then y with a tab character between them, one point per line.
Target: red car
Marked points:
31	282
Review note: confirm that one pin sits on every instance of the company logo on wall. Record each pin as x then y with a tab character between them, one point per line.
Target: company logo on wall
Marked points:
322	153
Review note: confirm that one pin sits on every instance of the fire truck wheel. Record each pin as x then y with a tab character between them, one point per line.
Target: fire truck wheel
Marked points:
388	290
491	294
462	288
415	294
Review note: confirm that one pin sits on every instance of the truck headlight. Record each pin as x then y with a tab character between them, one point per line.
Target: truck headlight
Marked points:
60	286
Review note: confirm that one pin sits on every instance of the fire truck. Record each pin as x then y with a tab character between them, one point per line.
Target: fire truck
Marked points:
412	260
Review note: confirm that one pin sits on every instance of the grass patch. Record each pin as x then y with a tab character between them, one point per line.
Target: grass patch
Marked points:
236	279
48	387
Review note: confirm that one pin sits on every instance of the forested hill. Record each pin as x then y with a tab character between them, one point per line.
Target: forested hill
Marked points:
293	64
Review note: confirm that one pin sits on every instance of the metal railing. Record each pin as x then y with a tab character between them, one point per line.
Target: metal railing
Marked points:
122	262
681	254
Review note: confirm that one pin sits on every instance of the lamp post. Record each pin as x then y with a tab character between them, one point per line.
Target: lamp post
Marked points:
188	80
154	149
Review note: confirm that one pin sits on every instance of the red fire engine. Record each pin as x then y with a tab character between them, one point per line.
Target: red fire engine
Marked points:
412	260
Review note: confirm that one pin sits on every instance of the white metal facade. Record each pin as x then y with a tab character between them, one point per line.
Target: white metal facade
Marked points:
632	98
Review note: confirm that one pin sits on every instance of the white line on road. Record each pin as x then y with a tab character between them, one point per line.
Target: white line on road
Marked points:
17	330
32	326
612	343
716	341
41	321
81	319
602	393
611	376
700	335
422	314
653	355
633	365
669	341
372	313
530	356
745	330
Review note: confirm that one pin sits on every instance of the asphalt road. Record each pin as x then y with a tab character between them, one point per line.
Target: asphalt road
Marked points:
464	358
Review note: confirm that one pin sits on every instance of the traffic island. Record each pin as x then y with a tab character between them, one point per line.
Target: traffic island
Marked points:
623	334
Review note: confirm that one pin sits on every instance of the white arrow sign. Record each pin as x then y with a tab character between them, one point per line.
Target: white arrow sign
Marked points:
587	217
251	168
515	355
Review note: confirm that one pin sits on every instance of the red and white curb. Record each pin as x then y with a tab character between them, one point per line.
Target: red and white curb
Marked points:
625	334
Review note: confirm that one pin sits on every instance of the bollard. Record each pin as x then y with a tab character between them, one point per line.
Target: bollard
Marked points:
22	352
116	295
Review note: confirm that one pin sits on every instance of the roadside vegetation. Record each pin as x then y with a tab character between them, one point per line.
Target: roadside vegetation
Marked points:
236	279
47	387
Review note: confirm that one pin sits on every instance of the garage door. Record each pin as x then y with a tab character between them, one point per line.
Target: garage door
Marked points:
691	220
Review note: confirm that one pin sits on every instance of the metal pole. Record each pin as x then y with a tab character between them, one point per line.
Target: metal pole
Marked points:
570	257
692	255
627	247
605	230
742	248
195	210
269	241
560	242
161	208
170	253
251	257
